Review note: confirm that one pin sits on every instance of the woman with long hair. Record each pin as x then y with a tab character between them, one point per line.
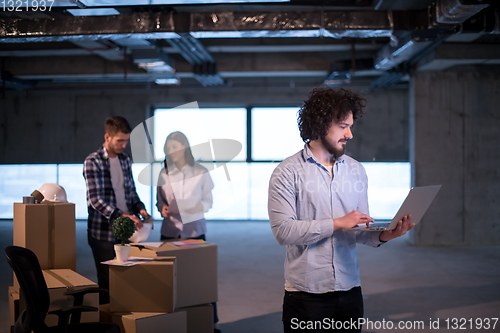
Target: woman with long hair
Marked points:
187	191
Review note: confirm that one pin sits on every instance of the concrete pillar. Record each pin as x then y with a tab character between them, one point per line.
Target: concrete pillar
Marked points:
454	135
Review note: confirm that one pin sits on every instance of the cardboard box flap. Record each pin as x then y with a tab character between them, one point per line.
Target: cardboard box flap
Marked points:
71	278
155	322
52	281
139	315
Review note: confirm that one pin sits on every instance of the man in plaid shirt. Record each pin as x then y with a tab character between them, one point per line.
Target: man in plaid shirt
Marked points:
110	193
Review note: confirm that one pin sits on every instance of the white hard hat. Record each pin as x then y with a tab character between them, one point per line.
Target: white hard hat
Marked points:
53	192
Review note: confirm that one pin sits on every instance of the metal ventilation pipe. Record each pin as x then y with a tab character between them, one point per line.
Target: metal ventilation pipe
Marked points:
457	11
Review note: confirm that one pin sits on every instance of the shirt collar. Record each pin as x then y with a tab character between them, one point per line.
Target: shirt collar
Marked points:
308	155
183	169
105	154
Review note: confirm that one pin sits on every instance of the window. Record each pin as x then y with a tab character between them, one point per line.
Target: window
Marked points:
241	196
200	126
18	181
275	134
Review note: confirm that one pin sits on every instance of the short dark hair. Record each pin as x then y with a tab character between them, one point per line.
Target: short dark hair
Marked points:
117	124
188	154
323	106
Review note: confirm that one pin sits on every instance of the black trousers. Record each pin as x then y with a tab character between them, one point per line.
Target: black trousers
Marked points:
102	251
333	311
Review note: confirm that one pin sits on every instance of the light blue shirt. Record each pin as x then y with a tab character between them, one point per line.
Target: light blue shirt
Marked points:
303	201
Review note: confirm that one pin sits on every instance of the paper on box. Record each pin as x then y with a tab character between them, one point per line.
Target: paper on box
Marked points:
146	287
196	269
145	322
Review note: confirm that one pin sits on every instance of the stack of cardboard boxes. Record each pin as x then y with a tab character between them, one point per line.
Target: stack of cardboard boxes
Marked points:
48	229
170	292
173	291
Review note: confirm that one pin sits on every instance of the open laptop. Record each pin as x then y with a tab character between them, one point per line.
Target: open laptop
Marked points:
416	203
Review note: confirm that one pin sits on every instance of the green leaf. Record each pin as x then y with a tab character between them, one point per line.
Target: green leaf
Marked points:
123	228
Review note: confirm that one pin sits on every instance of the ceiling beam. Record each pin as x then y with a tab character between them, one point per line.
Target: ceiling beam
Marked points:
453	54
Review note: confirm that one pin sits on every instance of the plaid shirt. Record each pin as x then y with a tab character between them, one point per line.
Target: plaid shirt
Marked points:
101	200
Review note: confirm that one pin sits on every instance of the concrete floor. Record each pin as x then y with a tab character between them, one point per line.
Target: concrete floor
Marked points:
400	282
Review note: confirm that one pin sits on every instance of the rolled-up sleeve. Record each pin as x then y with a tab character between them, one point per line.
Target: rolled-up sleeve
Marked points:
287	229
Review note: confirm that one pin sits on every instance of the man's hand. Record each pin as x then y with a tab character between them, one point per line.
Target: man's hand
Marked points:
350	220
137	221
165	212
404	225
144	214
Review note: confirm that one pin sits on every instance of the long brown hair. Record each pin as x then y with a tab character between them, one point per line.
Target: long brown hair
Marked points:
188	154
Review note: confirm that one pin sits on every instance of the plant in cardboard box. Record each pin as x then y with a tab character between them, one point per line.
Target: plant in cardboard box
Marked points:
123	229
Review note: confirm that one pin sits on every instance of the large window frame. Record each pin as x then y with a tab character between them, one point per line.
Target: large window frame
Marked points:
253	188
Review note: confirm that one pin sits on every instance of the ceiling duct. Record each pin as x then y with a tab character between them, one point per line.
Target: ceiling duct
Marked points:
335	24
204	67
389	78
457	11
487	22
338	79
157	63
410	47
153	60
137	25
78	3
406	48
224	24
191	49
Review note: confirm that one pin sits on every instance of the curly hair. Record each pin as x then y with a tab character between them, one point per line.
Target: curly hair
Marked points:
323	106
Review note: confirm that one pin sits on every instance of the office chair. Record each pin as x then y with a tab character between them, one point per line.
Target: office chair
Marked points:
35	294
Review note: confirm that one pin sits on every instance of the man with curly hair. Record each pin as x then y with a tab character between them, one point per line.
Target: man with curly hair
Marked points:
313	196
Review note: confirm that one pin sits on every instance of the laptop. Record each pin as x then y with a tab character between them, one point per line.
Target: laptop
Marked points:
416	203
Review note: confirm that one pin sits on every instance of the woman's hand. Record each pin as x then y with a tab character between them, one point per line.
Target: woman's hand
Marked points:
165	212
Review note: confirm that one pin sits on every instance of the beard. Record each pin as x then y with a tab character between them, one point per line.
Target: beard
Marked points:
336	152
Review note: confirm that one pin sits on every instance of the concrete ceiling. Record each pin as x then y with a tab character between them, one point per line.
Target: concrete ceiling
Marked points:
210	43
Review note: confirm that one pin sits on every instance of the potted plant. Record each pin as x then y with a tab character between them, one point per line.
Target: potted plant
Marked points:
123	229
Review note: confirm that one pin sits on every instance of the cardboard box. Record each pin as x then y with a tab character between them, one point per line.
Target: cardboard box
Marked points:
47	229
196	269
200	318
61	280
146	322
13	305
149	286
105	315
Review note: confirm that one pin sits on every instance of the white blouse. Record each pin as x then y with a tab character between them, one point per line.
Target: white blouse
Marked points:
183	191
